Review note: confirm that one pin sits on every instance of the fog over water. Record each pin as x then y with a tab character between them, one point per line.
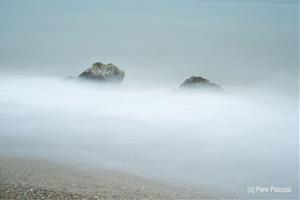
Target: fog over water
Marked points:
231	42
246	136
224	141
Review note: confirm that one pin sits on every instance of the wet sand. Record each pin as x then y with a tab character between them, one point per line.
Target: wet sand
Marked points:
22	178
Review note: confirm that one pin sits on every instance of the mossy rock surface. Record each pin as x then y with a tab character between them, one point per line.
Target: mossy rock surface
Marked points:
103	72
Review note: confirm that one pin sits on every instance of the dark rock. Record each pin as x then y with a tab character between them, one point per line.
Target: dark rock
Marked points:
102	72
198	82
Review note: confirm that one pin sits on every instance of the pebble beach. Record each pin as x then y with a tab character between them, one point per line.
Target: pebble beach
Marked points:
22	178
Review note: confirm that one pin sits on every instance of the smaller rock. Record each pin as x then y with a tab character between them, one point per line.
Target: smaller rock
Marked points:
198	82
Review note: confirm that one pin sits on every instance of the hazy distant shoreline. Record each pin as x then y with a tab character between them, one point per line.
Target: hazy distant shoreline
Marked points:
37	179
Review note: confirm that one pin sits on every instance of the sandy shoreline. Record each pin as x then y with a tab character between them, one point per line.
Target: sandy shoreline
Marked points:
22	178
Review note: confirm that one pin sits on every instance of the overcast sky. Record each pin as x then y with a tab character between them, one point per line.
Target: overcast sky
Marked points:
231	42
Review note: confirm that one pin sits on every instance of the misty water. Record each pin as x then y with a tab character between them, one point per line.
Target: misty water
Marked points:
224	141
246	136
